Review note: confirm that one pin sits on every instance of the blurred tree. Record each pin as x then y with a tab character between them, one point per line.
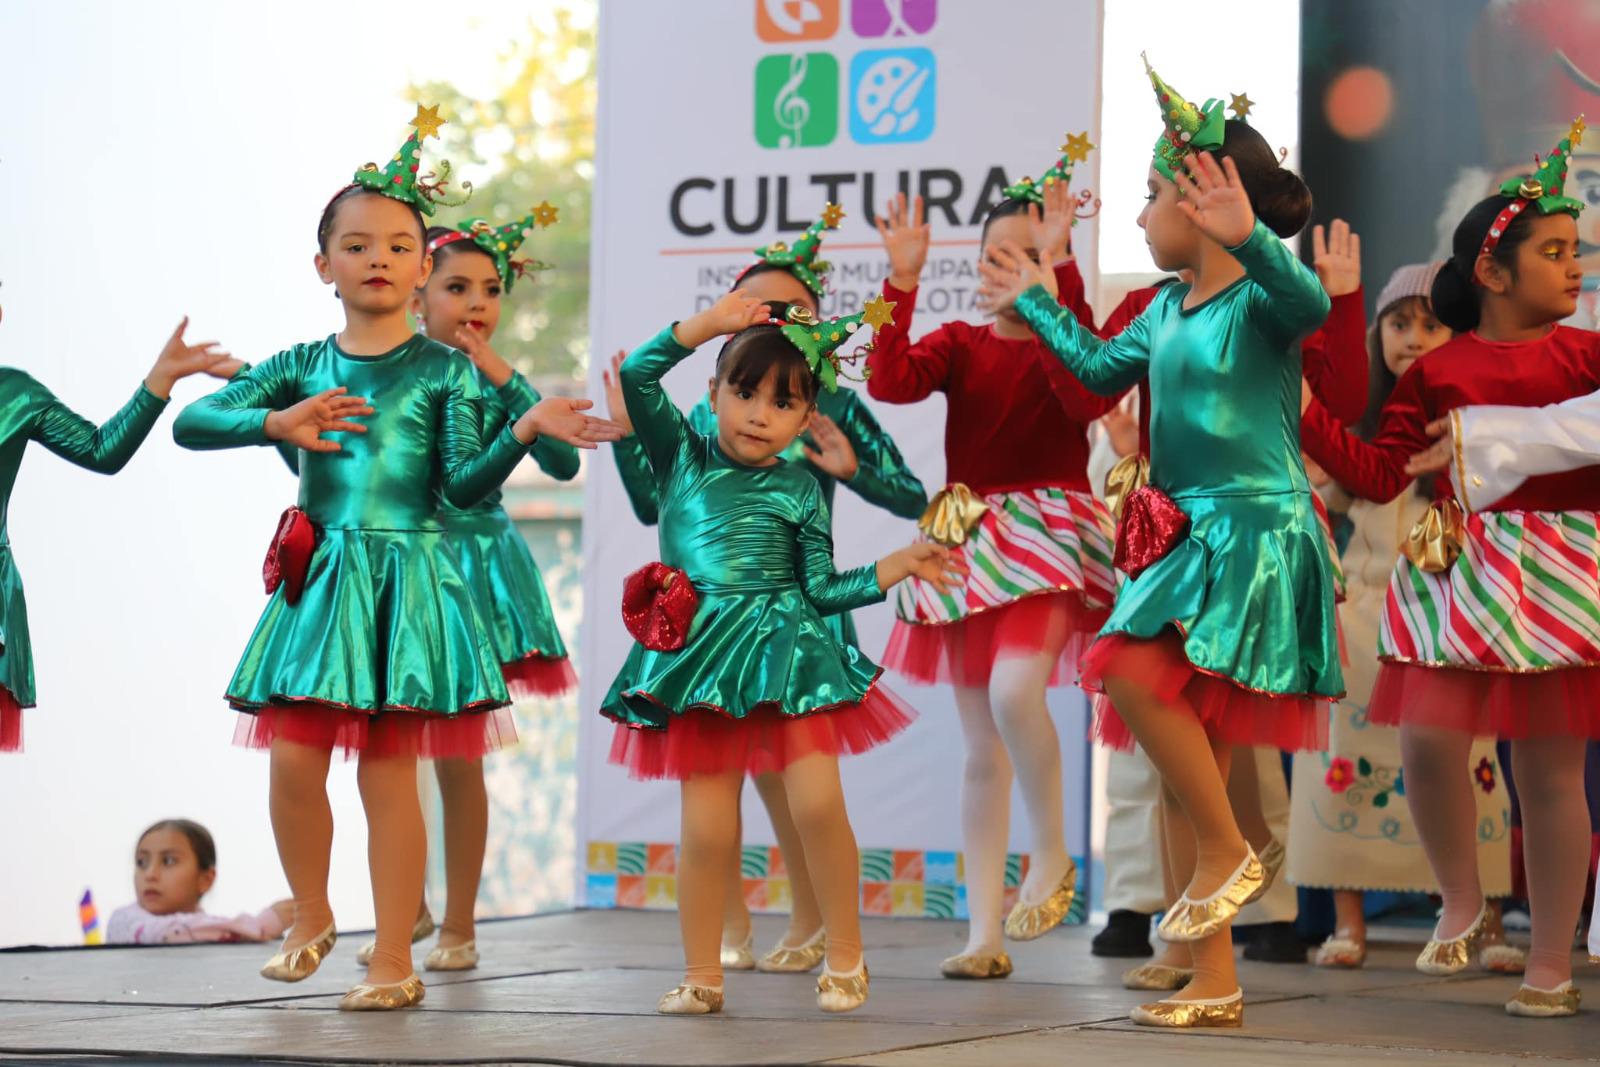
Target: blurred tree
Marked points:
535	138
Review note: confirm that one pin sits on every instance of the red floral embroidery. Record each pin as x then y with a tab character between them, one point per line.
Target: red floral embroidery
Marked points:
1341	773
1485	775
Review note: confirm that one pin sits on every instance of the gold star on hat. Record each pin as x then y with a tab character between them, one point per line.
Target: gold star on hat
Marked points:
545	213
831	215
1576	133
878	313
427	122
1241	105
1077	147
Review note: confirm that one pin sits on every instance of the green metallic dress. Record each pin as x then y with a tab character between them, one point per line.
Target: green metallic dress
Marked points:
756	544
882	477
1248	586
30	412
387	620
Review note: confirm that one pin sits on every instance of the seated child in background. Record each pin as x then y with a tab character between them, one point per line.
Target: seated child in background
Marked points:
174	865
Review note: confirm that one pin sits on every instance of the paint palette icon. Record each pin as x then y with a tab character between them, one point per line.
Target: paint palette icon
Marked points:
892	95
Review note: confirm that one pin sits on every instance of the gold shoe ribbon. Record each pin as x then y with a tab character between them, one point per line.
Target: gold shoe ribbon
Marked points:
952	515
1131	474
1435	541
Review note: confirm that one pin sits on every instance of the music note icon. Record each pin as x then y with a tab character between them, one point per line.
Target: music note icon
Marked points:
797	100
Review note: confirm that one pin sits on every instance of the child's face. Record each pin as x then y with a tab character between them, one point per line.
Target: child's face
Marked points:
754	426
780	285
375	258
167	878
1408	332
1013	228
1549	277
1172	238
462	293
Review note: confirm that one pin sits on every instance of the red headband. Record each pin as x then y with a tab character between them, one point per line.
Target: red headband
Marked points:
1501	223
448	238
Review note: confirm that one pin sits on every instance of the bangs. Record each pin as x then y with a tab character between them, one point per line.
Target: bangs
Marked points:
755	352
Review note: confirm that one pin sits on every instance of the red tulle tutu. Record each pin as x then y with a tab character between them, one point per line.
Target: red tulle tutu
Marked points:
535	676
1228	711
469	735
1502	704
964	652
10	722
706	741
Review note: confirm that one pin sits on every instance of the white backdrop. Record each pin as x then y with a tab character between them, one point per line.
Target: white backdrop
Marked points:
723	80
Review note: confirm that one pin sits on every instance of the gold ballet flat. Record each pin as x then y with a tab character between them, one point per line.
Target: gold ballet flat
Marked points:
299	964
1272	858
977	965
1157	977
786	960
842	992
690	1000
1441	958
463	957
421	930
1531	1003
740	957
1029	921
1190	1014
1194	920
388	997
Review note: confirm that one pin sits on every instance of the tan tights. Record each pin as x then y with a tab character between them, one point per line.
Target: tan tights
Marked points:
805	919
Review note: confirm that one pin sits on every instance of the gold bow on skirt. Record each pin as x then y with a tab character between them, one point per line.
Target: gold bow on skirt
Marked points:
953	514
1131	474
1435	541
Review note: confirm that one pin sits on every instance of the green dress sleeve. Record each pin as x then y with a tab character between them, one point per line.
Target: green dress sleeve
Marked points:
1104	367
637	481
1287	302
103	449
882	476
473	463
556	458
829	590
660	427
236	415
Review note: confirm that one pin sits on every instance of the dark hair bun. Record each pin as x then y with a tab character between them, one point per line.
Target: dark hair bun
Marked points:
1455	301
1284	202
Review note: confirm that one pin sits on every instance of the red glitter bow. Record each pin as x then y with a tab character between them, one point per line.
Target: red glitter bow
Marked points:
1151	524
658	604
289	555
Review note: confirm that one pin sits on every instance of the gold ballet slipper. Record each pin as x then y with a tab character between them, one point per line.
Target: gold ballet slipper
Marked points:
299	964
784	959
1191	1014
389	997
1157	978
421	930
953	514
1442	958
1195	920
462	957
1272	858
1029	921
1435	541
1531	1003
842	992
977	965
740	957
1130	474
690	1000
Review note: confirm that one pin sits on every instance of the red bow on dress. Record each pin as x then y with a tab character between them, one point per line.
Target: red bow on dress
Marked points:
289	555
658	604
1151	524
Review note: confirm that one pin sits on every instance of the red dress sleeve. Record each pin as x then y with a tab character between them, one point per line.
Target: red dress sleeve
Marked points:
1077	402
1071	293
1334	359
903	372
1373	470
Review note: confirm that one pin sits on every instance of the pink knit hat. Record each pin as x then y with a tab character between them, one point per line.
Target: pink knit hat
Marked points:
1414	279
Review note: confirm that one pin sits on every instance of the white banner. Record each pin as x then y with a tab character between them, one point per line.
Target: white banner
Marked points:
725	124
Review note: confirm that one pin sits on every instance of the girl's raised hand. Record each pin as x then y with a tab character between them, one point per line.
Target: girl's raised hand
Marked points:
616	406
486	359
302	425
563	418
833	453
1437	456
1052	229
1008	272
905	238
1214	199
1122	428
179	359
227	369
1336	256
732	313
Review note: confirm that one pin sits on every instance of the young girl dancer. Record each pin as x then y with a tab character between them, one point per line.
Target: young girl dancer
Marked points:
847	446
370	642
1351	823
1504	639
32	413
734	672
1224	633
1018	509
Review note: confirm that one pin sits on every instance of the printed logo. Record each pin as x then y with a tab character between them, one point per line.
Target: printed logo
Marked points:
893	18
892	95
797	20
797	100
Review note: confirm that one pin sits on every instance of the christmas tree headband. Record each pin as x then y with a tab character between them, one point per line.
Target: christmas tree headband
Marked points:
800	259
819	340
1540	190
1188	128
399	178
1074	151
500	243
